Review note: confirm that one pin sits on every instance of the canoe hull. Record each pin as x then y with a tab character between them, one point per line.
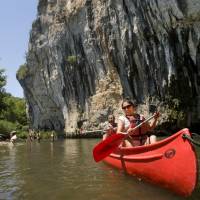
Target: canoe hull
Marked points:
170	163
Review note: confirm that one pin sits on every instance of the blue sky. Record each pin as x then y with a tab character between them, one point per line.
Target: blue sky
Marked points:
16	17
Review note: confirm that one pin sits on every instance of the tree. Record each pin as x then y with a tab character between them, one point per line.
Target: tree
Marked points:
15	110
2	90
12	109
2	80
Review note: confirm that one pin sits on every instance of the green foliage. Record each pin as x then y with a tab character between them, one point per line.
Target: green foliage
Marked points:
22	72
25	128
15	110
175	111
2	90
22	134
6	127
12	109
2	80
71	60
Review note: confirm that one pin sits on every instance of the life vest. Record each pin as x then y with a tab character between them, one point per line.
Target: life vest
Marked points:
139	137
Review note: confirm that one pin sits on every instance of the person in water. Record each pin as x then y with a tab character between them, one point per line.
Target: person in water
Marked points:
13	137
131	119
111	127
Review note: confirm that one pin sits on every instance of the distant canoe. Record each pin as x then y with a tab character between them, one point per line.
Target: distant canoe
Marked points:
170	163
86	134
4	137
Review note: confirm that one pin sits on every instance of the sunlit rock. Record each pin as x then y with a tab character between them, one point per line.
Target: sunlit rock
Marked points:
84	55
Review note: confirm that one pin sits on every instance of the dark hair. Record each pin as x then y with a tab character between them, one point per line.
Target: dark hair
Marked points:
111	115
130	101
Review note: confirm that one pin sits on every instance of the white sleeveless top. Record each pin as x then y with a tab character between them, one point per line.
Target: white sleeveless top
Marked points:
126	122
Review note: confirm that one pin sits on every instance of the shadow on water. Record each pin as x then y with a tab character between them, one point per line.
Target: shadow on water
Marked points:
65	169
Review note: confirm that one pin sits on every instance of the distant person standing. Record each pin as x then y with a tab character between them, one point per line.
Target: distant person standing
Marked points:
38	136
30	135
13	136
52	136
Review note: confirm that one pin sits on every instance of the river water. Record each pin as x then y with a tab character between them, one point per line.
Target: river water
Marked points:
65	170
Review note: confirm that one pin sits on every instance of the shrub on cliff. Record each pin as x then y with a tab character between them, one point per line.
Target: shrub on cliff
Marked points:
71	60
22	72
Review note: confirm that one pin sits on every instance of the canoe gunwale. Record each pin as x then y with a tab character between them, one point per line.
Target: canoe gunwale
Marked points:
151	147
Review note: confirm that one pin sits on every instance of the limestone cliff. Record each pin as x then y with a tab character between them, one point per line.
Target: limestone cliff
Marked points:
85	55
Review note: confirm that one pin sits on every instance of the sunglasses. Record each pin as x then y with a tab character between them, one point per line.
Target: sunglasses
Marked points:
126	107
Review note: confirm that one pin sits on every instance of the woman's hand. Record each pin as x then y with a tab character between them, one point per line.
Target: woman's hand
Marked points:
110	127
130	131
156	115
125	133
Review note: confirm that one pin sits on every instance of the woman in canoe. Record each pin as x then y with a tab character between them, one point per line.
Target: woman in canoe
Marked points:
129	120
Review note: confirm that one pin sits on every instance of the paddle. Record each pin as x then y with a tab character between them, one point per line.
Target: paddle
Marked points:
107	146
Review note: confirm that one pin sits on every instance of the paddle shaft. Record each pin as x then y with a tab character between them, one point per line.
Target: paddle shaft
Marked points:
93	131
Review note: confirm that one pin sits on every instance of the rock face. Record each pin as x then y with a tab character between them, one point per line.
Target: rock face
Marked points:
85	55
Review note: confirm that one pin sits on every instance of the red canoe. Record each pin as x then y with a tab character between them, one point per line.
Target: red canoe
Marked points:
170	163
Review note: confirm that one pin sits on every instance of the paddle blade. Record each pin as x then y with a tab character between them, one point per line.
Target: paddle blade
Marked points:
107	146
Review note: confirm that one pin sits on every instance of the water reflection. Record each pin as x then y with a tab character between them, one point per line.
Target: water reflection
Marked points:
66	170
9	179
